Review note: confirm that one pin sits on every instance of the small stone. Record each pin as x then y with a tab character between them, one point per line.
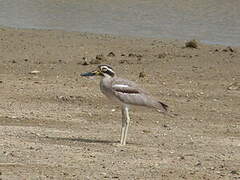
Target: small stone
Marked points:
25	59
1	81
234	86
162	55
234	172
228	49
65	174
191	44
135	55
123	61
69	115
198	163
13	61
142	75
131	55
139	58
115	177
94	61
181	157
111	54
146	131
164	125
84	63
100	57
34	72
103	174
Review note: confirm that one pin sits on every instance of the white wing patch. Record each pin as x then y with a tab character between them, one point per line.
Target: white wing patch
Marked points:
120	86
124	88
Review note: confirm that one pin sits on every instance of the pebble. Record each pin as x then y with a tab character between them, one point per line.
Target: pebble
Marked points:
111	54
100	57
198	163
234	86
234	172
141	75
34	72
162	55
145	131
134	55
94	61
228	49
181	157
84	63
11	117
123	61
115	177
191	44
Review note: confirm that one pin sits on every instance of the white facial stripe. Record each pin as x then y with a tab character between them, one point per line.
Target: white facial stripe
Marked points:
106	68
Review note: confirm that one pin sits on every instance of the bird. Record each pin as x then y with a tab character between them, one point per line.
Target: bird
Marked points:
125	93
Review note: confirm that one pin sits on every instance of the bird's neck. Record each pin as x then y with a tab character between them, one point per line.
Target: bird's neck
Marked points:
107	76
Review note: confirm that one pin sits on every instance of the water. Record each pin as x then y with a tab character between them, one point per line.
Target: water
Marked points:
211	21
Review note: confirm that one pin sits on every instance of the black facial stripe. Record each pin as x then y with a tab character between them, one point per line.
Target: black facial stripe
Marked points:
106	66
109	72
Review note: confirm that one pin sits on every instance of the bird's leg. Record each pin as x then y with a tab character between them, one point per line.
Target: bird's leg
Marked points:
125	124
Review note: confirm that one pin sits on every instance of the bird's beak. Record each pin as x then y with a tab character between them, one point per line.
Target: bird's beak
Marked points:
93	73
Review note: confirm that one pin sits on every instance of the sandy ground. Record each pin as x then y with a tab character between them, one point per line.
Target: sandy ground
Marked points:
57	125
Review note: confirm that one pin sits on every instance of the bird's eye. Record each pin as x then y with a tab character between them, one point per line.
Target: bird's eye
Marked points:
104	69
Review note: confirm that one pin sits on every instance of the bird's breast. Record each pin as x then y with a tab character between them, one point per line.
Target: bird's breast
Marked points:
106	89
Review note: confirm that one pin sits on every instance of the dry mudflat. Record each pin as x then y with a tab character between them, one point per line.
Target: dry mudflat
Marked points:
55	124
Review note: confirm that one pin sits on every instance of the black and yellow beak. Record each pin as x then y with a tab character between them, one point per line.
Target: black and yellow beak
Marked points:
93	73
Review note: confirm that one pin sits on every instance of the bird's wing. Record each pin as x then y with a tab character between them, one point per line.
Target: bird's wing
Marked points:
126	86
130	93
122	88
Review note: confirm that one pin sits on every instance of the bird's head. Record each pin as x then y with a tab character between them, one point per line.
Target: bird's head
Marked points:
102	70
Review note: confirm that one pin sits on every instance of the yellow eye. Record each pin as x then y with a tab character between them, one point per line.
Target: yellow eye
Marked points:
104	69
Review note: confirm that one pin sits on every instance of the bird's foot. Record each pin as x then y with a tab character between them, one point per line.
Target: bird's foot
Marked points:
118	144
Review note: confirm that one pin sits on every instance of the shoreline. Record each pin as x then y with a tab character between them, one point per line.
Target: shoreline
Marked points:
206	42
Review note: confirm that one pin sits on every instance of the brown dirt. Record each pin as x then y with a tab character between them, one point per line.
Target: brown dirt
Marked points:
57	125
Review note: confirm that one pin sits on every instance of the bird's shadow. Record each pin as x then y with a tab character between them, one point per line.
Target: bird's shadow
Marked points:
66	140
83	140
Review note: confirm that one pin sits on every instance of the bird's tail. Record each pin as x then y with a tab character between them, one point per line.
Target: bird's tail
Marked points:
163	108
